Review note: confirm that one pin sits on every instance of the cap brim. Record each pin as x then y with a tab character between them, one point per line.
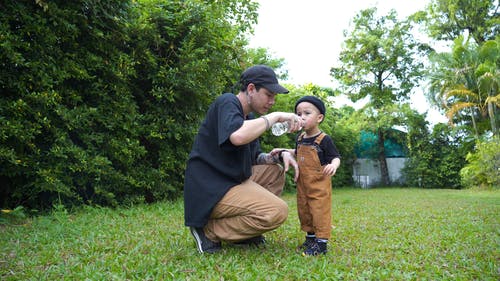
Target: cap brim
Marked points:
276	88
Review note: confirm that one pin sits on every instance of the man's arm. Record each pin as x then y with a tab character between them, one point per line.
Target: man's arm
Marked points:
285	156
267	158
254	128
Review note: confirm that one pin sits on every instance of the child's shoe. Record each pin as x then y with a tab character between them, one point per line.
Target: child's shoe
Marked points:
310	240
317	248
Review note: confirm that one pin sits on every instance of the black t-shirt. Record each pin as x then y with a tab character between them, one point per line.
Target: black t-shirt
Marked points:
215	164
327	150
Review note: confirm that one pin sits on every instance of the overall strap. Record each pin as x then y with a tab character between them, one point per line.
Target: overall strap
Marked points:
301	136
319	138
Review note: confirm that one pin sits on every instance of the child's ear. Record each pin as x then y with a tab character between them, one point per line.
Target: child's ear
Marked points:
321	117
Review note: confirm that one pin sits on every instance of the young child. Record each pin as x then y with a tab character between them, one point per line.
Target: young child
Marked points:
318	160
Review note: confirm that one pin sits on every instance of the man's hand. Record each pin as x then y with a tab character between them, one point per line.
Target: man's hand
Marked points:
277	151
289	160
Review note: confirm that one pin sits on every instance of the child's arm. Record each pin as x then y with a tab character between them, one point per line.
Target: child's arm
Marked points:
331	168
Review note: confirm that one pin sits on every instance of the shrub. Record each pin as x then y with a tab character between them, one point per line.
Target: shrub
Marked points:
101	99
483	167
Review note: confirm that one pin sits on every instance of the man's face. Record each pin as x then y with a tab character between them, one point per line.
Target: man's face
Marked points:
262	100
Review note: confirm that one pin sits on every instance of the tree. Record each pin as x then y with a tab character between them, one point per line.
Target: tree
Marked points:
489	79
465	83
435	156
379	61
448	19
186	53
262	56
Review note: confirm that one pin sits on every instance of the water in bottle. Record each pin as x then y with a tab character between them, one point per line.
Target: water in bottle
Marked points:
279	128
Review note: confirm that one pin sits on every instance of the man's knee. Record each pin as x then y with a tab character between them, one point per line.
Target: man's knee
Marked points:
279	214
271	177
283	212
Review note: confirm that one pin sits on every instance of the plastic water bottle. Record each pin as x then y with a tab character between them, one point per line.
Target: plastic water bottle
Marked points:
279	128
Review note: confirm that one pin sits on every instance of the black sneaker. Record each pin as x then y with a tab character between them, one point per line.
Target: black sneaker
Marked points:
308	243
204	244
317	248
254	241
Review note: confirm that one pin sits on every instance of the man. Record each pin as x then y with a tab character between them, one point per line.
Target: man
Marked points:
231	188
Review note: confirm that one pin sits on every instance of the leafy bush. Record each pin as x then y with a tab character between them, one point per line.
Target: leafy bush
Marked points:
101	99
435	159
483	168
12	217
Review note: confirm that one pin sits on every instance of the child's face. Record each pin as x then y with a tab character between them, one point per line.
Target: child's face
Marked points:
310	114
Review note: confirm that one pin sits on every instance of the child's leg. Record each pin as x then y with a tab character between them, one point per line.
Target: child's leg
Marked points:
319	202
305	216
321	208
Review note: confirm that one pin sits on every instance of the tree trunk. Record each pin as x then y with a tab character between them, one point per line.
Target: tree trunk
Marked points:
476	133
491	113
384	171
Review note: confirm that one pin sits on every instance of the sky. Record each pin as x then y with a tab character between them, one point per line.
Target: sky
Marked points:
309	35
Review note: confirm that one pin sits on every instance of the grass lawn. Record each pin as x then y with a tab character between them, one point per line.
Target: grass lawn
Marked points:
377	234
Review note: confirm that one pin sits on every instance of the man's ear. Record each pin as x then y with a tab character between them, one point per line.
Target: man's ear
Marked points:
250	87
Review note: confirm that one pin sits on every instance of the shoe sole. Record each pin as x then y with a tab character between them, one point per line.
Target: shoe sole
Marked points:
196	239
313	255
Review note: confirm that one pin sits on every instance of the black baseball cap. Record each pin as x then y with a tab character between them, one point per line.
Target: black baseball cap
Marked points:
262	75
315	101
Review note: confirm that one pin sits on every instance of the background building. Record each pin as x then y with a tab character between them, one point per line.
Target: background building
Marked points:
366	168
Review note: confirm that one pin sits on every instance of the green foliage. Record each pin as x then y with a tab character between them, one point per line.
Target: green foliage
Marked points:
464	83
380	62
101	99
483	165
262	56
448	19
377	234
379	59
435	159
68	121
12	217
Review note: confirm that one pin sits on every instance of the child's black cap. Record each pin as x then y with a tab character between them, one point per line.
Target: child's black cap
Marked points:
315	101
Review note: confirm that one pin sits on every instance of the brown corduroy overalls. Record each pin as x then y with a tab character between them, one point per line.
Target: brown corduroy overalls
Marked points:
314	190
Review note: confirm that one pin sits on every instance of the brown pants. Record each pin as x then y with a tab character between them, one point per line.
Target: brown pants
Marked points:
314	193
250	208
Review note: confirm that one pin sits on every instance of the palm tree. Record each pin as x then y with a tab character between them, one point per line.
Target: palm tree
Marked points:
489	83
465	82
462	98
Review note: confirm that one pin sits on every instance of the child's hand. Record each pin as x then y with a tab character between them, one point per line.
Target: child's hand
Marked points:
330	170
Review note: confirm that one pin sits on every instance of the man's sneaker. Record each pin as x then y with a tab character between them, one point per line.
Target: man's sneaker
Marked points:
317	248
308	243
254	241
204	244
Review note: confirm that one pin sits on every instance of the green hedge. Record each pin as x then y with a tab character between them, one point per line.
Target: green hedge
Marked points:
101	99
483	165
